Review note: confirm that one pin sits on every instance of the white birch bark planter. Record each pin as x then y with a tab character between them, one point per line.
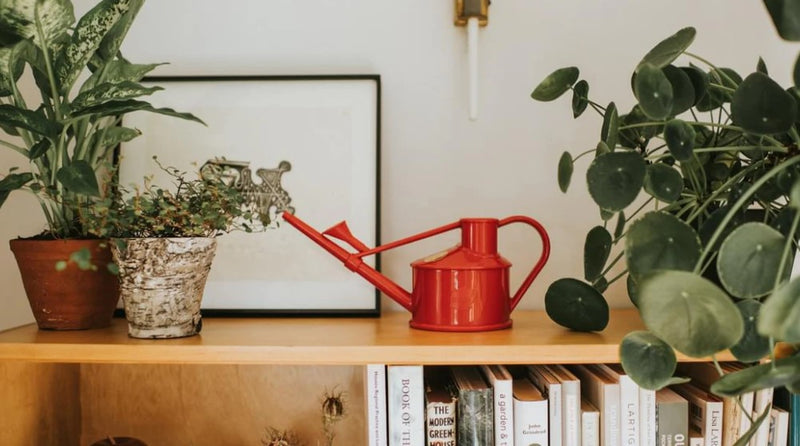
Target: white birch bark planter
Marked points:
162	282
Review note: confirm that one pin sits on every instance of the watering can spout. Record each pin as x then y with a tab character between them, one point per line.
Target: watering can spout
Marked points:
353	261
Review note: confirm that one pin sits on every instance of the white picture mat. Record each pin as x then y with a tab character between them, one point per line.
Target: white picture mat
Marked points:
326	128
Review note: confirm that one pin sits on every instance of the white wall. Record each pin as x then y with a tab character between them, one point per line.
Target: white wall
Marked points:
437	165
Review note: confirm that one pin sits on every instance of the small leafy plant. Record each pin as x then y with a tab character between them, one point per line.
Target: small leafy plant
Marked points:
708	252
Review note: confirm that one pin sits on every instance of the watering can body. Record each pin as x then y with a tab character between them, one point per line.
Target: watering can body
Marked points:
464	288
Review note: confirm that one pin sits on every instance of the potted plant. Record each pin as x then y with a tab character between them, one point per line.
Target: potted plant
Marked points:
163	243
67	137
707	253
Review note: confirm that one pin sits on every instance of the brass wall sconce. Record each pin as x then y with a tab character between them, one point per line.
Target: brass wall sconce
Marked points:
472	14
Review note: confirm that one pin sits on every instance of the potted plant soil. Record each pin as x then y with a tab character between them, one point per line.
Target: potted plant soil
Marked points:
163	243
66	139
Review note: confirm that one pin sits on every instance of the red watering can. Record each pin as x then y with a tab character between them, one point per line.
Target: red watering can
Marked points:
464	288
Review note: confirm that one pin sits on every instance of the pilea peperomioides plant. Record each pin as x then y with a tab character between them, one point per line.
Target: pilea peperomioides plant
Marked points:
69	136
708	248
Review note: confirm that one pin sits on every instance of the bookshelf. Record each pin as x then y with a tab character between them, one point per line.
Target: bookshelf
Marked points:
244	368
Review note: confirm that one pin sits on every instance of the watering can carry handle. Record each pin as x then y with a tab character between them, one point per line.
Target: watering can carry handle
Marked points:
542	259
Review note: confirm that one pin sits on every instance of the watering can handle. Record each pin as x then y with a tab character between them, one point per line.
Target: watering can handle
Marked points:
542	259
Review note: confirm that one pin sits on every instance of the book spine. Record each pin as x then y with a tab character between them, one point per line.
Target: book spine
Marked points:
590	429
503	412
475	417
406	401
629	411
763	399
794	422
647	417
744	421
571	405
611	415
376	405
530	423
672	424
714	424
555	404
441	424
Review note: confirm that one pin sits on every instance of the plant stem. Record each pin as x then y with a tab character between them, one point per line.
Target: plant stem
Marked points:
617	277
48	64
613	262
722	189
582	154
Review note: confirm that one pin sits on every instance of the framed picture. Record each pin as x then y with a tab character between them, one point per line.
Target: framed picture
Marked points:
315	137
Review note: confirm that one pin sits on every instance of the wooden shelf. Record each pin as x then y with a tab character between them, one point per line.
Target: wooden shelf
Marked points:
327	341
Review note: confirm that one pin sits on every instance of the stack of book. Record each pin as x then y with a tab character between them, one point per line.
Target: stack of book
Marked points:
566	405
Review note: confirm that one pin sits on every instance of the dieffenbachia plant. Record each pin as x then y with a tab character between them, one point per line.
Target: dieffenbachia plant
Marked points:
85	86
707	249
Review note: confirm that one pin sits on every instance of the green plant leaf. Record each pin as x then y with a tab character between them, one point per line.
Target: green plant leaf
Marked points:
14	181
11	69
785	15
580	98
609	132
796	72
565	168
637	137
761	106
117	71
752	346
620	225
654	92
596	249
576	305
648	360
661	241
112	136
110	92
79	177
606	214
601	149
28	120
699	80
86	38
680	137
761	66
17	17
115	108
600	284
615	179
763	376
633	290
556	84
39	149
748	260
669	49
683	95
109	46
689	312
745	438
780	316
83	259
663	182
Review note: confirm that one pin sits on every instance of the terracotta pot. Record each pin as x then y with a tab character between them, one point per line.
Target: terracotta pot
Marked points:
162	282
71	299
119	441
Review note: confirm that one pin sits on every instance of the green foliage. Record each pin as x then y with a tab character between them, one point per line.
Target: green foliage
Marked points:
707	248
69	136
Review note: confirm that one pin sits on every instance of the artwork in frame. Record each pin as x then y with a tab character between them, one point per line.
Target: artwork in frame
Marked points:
318	138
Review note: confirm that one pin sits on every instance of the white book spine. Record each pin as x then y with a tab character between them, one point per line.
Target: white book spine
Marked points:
647	417
556	404
571	392
611	416
503	408
530	422
696	441
406	401
629	411
763	399
780	434
747	403
376	404
713	432
590	429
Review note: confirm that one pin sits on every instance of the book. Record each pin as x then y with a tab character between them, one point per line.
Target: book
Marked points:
779	427
789	402
628	403
501	381
550	387
590	424
440	406
570	404
696	438
672	418
603	392
406	405
705	412
530	414
762	402
475	408
376	405
647	417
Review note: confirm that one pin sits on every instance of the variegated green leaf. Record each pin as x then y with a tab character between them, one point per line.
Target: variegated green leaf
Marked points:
10	70
19	18
28	120
14	181
109	46
89	33
118	71
115	135
79	177
39	149
110	92
121	107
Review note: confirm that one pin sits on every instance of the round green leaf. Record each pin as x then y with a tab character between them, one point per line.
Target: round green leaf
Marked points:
682	89
796	72
637	137
620	225
761	106
761	66
794	195
606	214
609	132
699	80
615	179
781	372
601	149
784	14
689	312
752	346
680	137
79	177
596	249
556	84
580	98
669	49
633	290
780	316
565	168
663	182
576	305
661	241
748	260
654	92
648	360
